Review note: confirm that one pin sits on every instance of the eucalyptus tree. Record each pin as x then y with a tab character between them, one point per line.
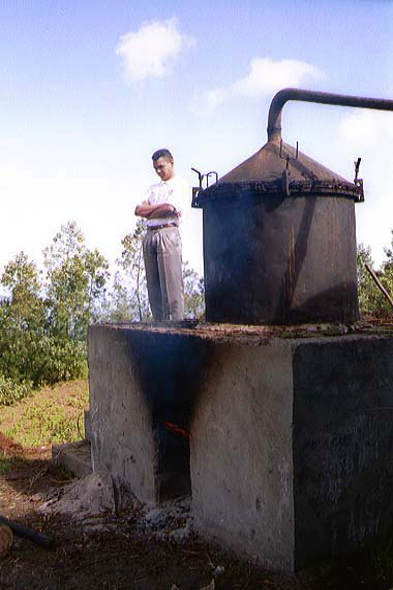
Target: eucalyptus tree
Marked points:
75	283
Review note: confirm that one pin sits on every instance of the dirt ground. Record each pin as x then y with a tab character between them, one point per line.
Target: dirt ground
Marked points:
124	557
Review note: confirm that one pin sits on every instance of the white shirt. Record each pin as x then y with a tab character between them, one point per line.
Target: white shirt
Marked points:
175	192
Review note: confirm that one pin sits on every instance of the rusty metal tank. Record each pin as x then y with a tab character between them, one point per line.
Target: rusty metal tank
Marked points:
279	233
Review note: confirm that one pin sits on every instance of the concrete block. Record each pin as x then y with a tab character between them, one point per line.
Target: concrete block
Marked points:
141	381
291	446
241	453
342	444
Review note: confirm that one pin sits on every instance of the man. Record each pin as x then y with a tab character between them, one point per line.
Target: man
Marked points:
162	207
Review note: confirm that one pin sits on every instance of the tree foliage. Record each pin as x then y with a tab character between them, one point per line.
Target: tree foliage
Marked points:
44	315
22	321
371	299
130	286
76	279
194	293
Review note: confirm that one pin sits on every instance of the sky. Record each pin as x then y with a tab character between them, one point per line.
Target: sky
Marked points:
90	89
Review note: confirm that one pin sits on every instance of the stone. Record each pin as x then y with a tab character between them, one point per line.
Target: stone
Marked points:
75	457
85	498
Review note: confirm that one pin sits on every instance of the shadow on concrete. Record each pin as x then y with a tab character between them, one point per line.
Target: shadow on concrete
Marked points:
170	370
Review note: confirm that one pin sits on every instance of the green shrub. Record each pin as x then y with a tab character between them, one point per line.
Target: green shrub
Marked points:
11	392
42	424
61	361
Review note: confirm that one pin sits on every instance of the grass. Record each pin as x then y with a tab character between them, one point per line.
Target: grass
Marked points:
50	415
6	463
9	462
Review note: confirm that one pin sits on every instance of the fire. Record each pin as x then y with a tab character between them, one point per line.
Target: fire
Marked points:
176	429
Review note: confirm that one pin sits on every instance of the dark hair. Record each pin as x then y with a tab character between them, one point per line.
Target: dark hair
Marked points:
164	153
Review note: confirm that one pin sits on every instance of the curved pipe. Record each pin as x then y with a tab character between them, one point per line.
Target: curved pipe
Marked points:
279	100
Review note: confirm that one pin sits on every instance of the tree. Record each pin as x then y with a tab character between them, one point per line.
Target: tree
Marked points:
22	321
132	285
97	274
194	293
76	279
371	300
387	277
75	295
21	279
119	307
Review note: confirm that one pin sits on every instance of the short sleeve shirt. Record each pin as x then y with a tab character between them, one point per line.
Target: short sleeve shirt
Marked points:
175	192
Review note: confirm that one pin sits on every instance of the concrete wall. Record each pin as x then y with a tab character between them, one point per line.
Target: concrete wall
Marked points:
140	379
121	423
342	444
241	453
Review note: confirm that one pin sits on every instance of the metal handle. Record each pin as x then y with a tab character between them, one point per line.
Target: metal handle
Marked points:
279	100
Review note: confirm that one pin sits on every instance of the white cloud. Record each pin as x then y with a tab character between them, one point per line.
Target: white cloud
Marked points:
265	77
364	128
368	134
151	51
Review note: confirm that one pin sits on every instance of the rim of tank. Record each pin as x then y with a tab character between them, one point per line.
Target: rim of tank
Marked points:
279	170
320	188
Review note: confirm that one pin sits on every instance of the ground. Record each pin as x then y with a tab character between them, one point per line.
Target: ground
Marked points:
124	556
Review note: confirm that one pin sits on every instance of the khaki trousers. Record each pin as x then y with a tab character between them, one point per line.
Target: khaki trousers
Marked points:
162	253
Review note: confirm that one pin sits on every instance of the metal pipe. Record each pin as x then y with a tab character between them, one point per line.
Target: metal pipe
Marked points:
378	283
22	531
279	100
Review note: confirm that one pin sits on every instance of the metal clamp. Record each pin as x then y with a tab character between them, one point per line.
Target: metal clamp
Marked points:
203	178
285	177
358	181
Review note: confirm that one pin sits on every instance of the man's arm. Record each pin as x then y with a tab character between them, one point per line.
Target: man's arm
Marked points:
154	211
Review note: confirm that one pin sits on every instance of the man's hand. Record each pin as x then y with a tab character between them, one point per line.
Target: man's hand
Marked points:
154	211
143	209
163	210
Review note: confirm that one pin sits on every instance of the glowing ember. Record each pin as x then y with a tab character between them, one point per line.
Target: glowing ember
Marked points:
176	429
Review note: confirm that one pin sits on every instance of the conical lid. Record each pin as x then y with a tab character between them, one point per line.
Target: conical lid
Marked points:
279	169
268	164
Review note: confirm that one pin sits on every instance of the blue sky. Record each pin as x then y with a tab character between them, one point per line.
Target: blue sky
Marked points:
89	89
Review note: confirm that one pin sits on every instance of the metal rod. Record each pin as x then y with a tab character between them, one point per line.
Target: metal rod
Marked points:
283	96
378	283
22	531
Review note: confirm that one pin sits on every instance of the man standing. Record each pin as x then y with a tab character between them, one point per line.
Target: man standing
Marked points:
162	207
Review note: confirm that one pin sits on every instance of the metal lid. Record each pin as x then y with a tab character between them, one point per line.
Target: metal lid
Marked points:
280	169
269	163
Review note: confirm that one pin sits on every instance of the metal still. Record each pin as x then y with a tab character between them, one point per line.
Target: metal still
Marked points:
280	233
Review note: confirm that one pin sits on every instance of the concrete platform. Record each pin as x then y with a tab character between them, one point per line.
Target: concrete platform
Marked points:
290	447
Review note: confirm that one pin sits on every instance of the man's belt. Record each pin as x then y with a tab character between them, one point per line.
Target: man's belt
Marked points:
163	226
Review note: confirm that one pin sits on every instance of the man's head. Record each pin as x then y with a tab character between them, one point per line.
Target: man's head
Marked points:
163	164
